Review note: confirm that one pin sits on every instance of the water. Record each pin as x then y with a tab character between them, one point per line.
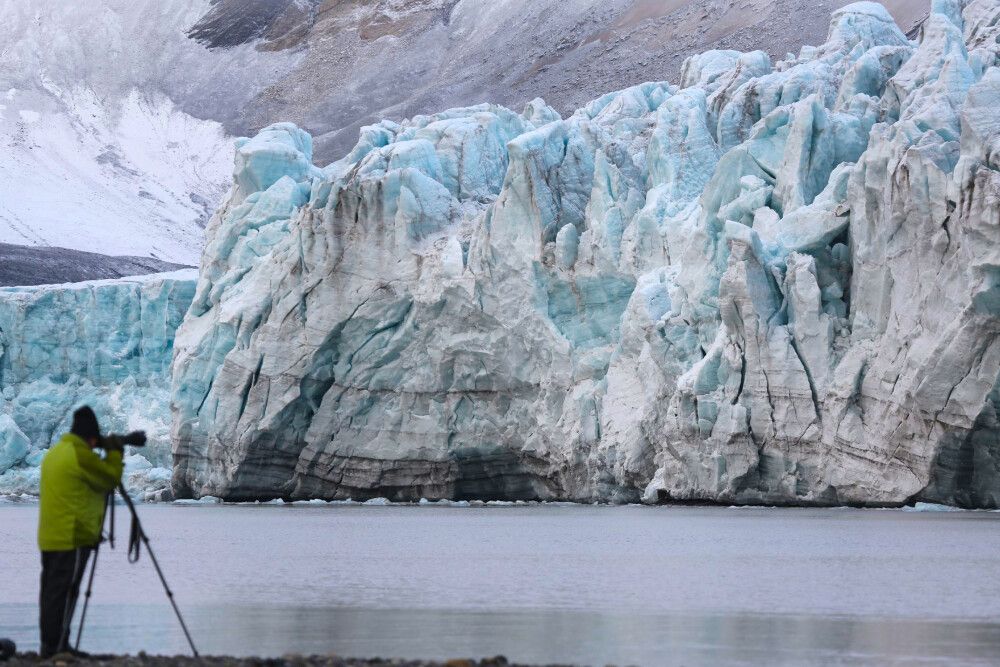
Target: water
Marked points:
588	585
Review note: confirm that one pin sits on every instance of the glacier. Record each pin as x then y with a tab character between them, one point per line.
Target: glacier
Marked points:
773	282
106	343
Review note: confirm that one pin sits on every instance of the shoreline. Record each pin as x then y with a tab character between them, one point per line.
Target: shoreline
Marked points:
212	501
288	660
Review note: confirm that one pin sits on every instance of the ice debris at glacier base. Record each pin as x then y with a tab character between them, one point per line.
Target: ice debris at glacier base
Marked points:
106	343
771	283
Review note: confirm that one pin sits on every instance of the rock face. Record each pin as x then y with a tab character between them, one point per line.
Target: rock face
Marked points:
25	265
104	343
773	282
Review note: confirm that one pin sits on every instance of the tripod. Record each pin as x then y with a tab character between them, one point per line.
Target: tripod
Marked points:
137	537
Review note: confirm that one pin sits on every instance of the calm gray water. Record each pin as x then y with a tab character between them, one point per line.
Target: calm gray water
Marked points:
588	585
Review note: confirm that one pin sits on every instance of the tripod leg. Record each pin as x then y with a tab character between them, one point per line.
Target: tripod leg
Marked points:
86	596
137	535
108	500
170	593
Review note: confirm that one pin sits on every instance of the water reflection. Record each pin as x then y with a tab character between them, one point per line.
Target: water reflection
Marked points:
590	585
532	636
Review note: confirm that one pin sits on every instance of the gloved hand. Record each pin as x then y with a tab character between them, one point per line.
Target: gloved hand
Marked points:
135	438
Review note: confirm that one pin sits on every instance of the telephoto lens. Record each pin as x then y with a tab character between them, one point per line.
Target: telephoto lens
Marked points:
7	649
135	438
117	441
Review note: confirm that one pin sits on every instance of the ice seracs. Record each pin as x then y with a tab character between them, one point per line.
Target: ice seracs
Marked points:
105	343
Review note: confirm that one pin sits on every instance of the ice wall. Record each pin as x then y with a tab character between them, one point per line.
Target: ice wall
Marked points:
773	282
105	343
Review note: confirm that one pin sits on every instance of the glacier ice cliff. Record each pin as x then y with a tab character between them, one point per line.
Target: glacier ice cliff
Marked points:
773	282
105	343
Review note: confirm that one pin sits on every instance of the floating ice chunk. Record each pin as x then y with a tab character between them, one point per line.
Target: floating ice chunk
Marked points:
147	482
931	507
204	500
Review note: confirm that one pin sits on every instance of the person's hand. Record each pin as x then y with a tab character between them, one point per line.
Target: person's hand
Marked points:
135	438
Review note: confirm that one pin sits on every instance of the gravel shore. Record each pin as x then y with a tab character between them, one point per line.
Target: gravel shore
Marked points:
143	660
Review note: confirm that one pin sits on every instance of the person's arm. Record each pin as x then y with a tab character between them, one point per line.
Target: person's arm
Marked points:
102	475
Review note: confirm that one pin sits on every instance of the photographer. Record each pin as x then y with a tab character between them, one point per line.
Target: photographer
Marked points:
75	482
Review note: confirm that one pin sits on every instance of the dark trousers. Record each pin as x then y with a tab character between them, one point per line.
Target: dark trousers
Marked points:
62	572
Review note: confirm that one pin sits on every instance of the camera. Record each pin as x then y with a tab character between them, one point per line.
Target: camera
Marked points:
116	441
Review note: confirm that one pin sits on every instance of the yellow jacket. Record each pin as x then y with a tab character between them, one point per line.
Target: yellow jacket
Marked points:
74	482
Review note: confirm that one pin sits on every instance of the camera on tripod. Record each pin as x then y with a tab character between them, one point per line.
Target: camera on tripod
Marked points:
115	441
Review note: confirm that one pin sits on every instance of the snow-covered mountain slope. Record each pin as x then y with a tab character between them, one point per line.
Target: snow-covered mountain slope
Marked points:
772	282
95	152
116	116
134	177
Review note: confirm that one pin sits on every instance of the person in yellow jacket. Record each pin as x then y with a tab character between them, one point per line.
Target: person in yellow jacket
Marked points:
74	485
